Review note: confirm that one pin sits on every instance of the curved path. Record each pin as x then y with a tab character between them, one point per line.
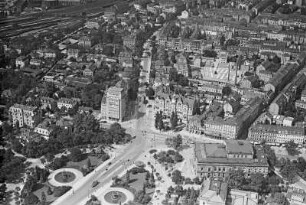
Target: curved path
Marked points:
53	182
128	194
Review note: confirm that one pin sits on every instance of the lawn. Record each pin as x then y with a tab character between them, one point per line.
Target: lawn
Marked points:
137	181
64	177
44	188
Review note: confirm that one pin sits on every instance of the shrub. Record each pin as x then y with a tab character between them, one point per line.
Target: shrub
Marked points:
152	151
104	157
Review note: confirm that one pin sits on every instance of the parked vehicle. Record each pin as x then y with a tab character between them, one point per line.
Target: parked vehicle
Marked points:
94	183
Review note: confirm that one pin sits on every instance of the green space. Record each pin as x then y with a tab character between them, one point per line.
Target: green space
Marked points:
64	177
140	182
115	197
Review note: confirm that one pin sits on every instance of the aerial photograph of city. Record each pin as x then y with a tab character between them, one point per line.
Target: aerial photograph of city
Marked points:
152	102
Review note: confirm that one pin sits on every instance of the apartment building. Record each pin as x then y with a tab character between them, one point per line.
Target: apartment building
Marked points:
44	128
215	160
113	105
167	103
234	127
24	115
276	134
67	102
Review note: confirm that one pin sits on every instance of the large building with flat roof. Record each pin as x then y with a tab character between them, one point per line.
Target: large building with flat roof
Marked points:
217	159
113	105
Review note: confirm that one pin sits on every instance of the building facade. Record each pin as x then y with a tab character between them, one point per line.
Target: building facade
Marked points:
113	106
167	104
275	134
24	115
217	159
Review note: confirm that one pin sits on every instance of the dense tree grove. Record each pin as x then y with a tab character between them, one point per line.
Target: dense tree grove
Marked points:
85	130
255	182
291	148
191	195
18	83
11	167
170	156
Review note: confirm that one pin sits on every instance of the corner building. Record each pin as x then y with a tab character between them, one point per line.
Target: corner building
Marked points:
217	159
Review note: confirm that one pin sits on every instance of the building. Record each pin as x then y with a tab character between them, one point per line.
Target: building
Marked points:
281	77
46	102
44	128
215	160
182	65
21	61
71	2
126	59
67	103
130	41
214	192
85	42
113	105
276	134
279	104
233	127
296	195
167	104
24	115
239	197
73	52
46	53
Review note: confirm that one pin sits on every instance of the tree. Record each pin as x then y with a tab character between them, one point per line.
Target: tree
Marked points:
88	163
236	179
226	91
127	177
75	155
173	120
257	181
291	148
270	154
280	199
150	92
159	123
276	59
210	53
301	164
43	196
49	191
288	171
3	194
177	177
173	76
222	40
31	199
178	141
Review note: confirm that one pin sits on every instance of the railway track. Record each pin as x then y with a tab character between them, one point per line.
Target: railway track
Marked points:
26	23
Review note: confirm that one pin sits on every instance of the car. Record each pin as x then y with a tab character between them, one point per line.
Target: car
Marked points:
109	163
94	183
